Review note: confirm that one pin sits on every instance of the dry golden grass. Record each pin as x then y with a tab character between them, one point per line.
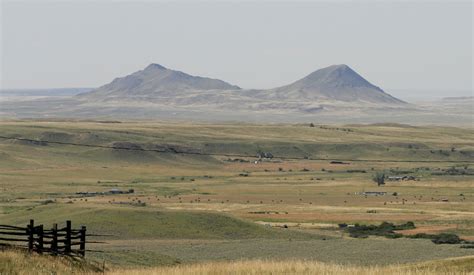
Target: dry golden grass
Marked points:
15	262
453	266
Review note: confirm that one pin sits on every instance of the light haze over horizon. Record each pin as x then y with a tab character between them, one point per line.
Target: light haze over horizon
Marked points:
401	47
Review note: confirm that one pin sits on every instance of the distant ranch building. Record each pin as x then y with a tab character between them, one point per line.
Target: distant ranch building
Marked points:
373	193
400	178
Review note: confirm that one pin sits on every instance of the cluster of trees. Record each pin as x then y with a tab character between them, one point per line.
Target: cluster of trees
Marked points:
379	178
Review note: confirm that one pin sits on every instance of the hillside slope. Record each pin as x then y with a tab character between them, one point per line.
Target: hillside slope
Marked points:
337	82
156	81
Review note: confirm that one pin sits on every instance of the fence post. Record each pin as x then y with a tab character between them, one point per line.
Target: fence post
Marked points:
67	242
40	239
54	242
82	247
30	231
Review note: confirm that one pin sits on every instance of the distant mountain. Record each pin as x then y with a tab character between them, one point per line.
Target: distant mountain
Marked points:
157	84
334	83
156	81
336	94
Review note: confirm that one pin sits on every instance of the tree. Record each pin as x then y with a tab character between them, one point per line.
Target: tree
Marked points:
379	178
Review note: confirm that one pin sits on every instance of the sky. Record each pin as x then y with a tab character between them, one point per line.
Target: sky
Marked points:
408	48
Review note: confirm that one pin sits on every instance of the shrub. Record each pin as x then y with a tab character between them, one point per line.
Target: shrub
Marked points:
443	238
342	225
394	236
405	226
446	238
384	229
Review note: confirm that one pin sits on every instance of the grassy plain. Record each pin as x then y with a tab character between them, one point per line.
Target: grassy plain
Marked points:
20	263
214	203
458	266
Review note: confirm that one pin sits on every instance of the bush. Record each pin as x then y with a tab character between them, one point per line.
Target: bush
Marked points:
446	238
405	226
443	238
384	229
394	236
420	236
342	225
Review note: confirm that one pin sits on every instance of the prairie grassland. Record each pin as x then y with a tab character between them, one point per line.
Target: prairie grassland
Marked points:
21	263
452	266
214	202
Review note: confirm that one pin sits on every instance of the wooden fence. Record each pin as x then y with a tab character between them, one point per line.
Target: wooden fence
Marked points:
55	241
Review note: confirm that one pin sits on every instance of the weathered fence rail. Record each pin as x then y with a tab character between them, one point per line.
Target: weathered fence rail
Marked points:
55	241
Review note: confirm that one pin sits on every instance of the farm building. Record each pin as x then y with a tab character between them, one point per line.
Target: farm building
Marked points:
112	191
373	193
264	155
400	178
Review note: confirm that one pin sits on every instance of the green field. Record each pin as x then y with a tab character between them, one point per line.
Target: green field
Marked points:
201	194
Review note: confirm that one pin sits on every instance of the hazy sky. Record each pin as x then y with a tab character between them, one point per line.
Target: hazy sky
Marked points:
424	46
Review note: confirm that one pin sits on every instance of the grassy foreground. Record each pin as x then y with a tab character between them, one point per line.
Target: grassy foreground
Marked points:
12	262
453	266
